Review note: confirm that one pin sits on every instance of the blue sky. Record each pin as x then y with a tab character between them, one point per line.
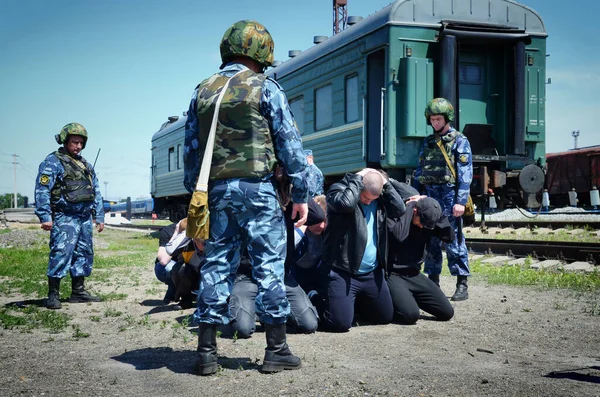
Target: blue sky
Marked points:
121	67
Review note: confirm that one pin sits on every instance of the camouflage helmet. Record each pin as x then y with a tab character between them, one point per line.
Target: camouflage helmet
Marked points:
439	106
71	129
250	39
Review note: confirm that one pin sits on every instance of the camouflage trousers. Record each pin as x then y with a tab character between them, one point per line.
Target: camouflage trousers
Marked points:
457	254
244	214
71	248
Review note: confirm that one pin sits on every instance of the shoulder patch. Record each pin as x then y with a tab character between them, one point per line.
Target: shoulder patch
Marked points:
463	158
44	180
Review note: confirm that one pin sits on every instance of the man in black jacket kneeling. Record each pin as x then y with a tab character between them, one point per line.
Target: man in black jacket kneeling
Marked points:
409	235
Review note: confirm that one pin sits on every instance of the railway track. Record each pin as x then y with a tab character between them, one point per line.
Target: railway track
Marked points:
558	224
135	227
565	251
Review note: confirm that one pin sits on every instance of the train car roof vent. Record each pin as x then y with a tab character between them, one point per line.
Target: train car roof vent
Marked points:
354	19
276	63
173	119
319	39
294	53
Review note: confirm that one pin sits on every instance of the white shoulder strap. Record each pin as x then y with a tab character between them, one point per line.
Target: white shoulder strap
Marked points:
202	185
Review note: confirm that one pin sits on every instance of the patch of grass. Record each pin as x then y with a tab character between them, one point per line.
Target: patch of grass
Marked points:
33	317
550	279
24	271
95	319
112	296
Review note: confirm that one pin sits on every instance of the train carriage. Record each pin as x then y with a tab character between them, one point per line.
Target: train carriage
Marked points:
358	97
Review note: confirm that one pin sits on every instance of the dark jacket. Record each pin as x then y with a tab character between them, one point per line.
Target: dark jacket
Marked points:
408	241
346	233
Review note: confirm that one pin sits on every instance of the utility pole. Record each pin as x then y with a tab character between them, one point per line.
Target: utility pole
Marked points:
105	190
15	164
575	135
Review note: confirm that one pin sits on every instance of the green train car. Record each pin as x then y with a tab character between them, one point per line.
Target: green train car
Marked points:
358	97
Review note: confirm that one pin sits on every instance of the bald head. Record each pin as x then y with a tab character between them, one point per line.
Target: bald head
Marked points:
373	182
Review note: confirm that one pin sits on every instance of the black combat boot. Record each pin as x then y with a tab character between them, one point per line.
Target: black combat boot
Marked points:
277	354
461	292
435	278
53	301
79	294
207	349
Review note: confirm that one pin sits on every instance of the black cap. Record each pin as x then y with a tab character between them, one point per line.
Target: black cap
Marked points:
429	211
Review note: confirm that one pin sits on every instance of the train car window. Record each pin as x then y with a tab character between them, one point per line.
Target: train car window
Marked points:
470	73
171	164
323	107
351	98
179	156
297	106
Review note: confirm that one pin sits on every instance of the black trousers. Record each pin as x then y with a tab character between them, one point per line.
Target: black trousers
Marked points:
411	290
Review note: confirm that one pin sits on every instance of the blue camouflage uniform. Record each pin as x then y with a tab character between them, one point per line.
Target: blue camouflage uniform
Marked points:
314	178
71	248
448	194
245	212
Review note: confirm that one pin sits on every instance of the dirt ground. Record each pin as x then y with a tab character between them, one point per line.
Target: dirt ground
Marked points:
503	341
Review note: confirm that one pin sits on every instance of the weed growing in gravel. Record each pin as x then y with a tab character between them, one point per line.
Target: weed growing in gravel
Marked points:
78	333
33	317
559	306
594	307
95	319
111	312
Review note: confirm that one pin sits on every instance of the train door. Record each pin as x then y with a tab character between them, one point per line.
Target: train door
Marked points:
152	175
481	98
375	127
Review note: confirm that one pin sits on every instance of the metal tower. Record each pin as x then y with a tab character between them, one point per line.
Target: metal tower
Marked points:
340	15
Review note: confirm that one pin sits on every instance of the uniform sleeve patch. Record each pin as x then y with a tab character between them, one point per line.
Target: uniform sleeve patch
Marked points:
44	180
463	158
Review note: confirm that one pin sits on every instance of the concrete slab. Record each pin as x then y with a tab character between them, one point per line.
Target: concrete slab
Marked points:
497	260
546	264
521	261
542	230
579	267
522	230
476	257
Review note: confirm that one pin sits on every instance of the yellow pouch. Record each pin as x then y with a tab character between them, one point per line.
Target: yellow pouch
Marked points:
198	225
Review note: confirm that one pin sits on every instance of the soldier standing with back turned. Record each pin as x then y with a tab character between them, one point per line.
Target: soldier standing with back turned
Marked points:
434	178
68	200
255	130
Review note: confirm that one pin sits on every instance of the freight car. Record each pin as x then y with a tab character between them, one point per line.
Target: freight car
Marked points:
358	97
577	169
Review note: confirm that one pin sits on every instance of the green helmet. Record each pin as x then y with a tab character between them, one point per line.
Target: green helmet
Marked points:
71	129
250	39
439	106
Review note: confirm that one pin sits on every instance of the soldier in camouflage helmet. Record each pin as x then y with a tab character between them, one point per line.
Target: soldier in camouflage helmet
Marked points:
68	200
434	178
256	130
